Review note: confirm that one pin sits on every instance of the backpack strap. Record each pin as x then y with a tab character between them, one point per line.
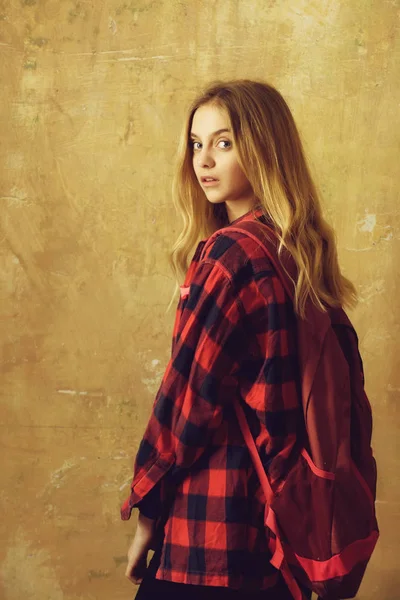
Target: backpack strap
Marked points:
269	244
278	558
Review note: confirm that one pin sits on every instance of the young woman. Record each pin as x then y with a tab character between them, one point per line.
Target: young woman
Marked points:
201	506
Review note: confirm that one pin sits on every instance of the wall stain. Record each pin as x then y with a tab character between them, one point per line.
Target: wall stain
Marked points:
98	574
39	42
119	560
30	64
76	12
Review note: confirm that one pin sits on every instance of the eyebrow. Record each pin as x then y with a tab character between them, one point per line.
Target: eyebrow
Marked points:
215	132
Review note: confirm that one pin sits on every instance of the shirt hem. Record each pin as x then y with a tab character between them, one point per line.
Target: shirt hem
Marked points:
227	580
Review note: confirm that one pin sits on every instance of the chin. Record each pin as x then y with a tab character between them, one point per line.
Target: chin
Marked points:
215	201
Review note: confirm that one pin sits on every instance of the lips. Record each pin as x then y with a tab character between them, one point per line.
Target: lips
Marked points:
207	179
209	183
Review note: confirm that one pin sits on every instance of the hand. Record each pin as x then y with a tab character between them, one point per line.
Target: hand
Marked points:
138	550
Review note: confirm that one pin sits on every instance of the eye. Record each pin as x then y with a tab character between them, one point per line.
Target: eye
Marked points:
194	142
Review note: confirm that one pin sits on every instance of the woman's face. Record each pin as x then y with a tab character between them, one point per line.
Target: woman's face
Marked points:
214	156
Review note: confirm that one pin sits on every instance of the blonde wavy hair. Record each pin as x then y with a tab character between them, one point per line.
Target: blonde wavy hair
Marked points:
271	155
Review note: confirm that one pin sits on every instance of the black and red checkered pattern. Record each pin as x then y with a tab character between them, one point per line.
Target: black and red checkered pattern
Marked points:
234	336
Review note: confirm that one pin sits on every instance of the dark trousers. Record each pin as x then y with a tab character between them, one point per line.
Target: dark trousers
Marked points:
156	589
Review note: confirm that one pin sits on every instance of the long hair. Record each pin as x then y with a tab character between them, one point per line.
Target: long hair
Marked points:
271	155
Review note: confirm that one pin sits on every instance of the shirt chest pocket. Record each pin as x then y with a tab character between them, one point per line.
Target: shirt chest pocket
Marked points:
184	293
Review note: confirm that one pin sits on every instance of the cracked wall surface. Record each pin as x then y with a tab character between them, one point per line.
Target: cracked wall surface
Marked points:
92	100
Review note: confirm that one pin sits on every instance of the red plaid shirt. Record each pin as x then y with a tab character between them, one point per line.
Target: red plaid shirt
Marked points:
234	334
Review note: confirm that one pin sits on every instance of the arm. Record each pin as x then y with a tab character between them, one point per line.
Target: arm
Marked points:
137	553
198	381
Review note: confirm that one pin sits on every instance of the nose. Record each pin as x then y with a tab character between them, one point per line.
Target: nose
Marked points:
204	158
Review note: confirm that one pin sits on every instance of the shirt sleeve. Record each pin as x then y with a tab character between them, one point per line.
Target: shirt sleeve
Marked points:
198	382
151	505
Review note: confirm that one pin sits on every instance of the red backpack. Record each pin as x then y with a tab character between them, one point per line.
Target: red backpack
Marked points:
321	524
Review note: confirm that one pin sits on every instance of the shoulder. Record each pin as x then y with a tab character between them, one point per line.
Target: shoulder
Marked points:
235	258
239	255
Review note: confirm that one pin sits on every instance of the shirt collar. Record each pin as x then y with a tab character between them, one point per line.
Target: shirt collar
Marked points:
258	212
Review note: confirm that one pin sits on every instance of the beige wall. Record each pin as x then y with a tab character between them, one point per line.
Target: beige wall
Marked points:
92	98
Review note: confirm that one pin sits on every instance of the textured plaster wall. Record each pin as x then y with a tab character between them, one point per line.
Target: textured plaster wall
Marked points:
92	98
